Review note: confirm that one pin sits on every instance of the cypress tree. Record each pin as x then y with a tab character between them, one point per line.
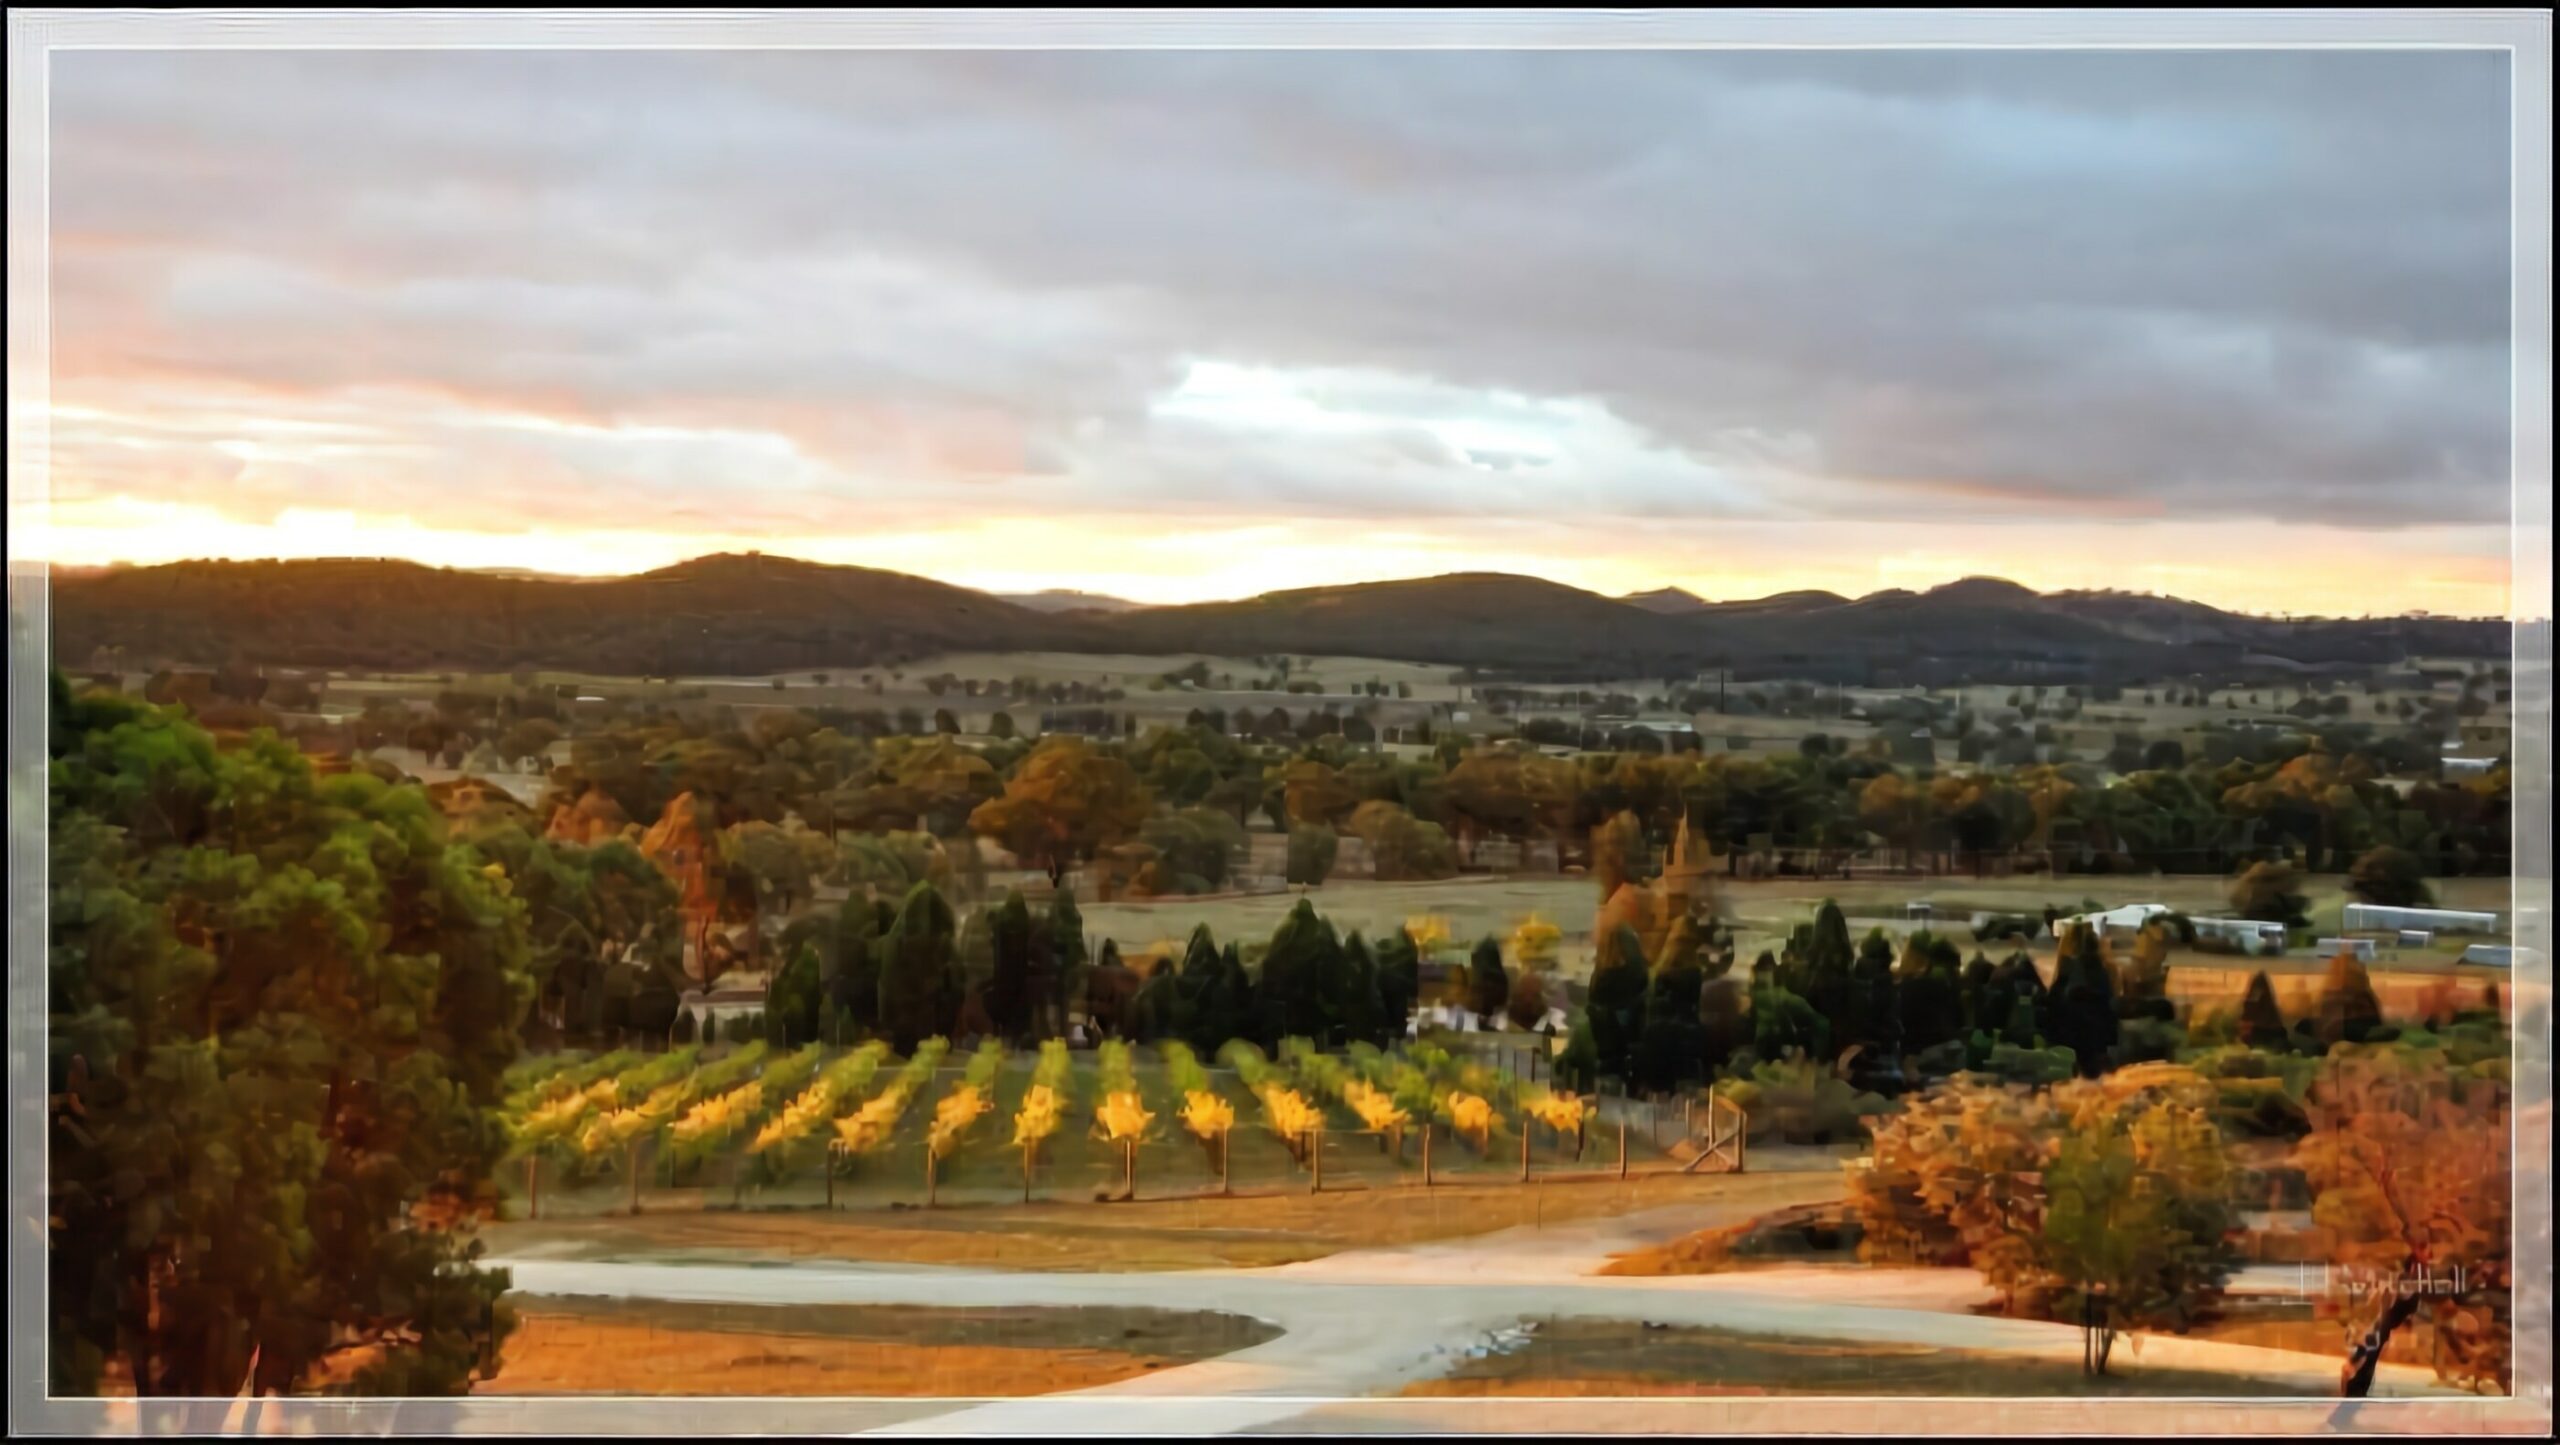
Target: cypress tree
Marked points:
1615	1011
2084	1002
2262	1024
1488	982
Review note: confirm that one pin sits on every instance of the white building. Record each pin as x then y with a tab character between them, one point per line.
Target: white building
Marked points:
2250	935
2376	918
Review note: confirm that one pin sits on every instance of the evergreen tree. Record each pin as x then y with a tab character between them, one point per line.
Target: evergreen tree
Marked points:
919	970
1399	981
2084	1002
1009	997
1826	980
1724	1014
1060	958
1615	1013
2262	1024
1304	957
1673	1048
791	1006
1930	994
855	987
1488	982
2349	1010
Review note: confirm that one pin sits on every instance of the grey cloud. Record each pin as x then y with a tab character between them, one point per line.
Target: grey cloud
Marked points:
2219	282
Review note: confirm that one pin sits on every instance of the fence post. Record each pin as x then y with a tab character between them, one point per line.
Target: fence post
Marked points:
1026	1172
1222	1162
635	1176
1622	1147
1426	1153
533	1186
1315	1159
928	1176
830	1167
1524	1151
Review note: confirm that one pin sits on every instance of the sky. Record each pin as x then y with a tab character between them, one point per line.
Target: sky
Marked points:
1180	325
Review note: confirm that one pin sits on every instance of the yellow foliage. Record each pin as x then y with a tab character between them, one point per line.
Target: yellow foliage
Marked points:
1038	1117
1534	942
1207	1115
717	1115
1472	1116
1563	1113
1375	1109
1123	1116
1428	931
958	1110
1288	1111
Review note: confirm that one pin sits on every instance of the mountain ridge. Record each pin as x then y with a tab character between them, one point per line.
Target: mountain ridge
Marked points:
754	613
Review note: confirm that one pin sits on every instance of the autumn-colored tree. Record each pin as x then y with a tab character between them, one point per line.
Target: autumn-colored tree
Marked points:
2272	892
2392	877
2262	1024
2349	1009
1064	803
2409	1165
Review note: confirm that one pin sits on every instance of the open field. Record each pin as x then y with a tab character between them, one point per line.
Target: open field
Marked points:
601	1345
1158	1235
1763	911
1593	1357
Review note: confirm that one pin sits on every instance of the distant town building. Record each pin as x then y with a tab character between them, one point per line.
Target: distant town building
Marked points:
2376	918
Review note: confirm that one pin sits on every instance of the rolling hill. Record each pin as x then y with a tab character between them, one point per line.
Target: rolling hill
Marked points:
753	614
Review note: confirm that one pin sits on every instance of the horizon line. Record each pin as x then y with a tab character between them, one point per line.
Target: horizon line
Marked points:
19	565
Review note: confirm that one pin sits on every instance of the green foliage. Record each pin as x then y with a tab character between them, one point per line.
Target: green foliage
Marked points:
281	1011
1290	997
1613	1021
919	970
1488	982
1311	852
1672	1051
2272	892
2392	877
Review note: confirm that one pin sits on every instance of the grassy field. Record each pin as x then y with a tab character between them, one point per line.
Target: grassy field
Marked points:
1762	910
596	1346
1575	1357
1167	1234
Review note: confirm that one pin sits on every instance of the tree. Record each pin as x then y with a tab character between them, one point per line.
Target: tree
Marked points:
2084	1001
1009	996
1304	955
2392	877
1823	977
2272	892
2349	1010
1402	847
1614	1017
1783	1023
2408	1160
1929	998
919	970
1064	803
2262	1024
2138	1209
1000	726
1399	980
1311	851
1058	956
1488	982
1673	1049
1618	853
792	1004
279	1010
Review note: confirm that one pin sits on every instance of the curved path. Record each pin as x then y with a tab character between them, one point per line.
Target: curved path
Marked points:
1368	1322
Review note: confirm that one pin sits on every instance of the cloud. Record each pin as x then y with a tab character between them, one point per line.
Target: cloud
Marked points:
862	291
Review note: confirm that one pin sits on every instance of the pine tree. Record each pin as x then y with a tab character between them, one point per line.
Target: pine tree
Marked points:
1615	1011
2262	1024
1488	982
1009	997
2084	1002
